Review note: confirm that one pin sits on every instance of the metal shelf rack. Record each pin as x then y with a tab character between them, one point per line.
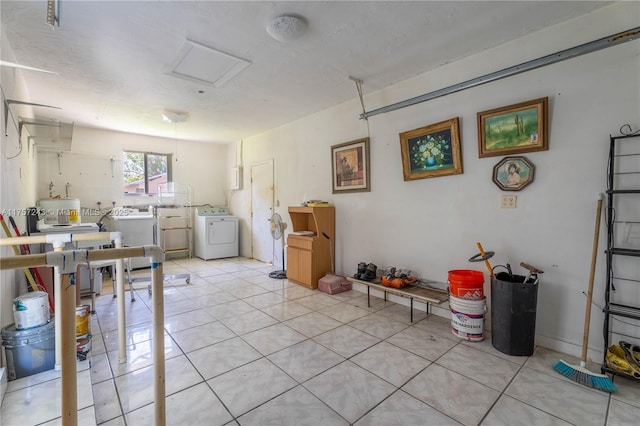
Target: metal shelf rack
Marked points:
623	242
174	218
172	214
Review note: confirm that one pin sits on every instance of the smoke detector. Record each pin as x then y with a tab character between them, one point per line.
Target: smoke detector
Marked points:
286	28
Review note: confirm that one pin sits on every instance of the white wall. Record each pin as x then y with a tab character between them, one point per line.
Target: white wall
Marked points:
431	226
17	175
88	168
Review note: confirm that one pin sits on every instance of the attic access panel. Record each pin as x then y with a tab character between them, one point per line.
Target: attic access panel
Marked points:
47	134
202	64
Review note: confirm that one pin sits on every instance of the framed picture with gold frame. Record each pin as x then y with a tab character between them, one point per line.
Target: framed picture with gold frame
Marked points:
350	166
514	129
431	151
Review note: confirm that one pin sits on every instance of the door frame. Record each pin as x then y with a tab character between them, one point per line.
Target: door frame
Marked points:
271	204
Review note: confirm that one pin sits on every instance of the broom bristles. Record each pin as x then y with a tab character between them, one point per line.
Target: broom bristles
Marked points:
585	377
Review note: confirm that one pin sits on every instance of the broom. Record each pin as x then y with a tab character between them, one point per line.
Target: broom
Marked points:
580	373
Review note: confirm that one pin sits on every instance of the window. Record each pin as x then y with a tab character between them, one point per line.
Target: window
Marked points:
144	171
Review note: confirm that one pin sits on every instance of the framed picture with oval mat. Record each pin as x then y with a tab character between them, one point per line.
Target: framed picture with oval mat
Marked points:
431	151
513	173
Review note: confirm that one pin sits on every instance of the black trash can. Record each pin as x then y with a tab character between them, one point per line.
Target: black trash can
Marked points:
513	313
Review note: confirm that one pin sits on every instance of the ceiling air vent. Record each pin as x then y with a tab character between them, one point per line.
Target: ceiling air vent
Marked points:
202	64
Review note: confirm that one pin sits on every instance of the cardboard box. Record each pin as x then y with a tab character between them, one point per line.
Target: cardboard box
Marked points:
333	284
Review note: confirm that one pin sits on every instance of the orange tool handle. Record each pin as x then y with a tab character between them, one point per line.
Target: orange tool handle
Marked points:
486	262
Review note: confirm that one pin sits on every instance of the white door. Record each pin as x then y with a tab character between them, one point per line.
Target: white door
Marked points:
262	243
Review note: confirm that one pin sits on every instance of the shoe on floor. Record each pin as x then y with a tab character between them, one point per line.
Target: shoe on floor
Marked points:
616	360
631	354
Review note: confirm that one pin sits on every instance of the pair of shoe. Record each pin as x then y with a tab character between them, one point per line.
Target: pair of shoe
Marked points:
366	271
392	272
631	354
397	278
625	359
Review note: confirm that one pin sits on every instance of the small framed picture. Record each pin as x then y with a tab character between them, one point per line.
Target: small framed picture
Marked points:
514	129
350	166
431	151
513	173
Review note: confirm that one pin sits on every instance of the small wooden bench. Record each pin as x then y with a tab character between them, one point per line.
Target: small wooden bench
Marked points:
425	291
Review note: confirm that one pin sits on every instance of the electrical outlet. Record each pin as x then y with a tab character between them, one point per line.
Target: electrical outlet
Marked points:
508	201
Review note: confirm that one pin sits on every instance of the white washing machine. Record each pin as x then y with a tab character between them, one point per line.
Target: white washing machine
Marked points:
215	233
137	230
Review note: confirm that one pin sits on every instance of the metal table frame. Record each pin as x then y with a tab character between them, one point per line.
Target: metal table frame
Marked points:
422	293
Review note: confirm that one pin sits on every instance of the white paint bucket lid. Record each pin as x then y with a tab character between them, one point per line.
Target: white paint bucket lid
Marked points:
30	296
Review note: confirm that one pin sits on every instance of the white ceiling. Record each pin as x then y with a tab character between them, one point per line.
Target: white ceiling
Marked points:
112	58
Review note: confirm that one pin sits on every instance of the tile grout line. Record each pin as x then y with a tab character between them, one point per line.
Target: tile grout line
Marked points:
317	309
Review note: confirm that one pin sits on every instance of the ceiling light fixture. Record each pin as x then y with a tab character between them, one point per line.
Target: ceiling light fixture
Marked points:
286	28
174	117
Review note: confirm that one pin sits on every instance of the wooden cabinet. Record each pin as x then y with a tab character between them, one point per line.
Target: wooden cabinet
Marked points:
309	256
300	261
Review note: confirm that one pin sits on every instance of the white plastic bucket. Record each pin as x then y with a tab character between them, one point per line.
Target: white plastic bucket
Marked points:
83	321
83	346
467	318
31	310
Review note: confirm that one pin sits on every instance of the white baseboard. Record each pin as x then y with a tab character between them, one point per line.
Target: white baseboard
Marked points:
593	355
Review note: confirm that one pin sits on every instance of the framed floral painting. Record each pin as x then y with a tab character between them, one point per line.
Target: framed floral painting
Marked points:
431	151
350	166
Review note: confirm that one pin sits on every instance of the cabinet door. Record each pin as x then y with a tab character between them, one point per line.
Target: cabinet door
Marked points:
293	271
300	267
305	268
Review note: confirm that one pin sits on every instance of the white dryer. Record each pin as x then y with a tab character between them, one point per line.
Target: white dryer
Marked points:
215	233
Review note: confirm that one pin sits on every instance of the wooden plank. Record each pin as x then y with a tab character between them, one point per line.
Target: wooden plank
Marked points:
431	295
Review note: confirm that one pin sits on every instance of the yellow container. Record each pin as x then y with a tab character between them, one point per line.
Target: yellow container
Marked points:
82	320
73	216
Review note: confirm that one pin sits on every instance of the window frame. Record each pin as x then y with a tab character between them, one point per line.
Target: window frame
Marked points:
145	155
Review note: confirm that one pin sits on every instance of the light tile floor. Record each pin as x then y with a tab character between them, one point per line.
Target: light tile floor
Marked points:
242	348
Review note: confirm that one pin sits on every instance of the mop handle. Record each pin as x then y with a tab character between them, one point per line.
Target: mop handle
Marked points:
592	272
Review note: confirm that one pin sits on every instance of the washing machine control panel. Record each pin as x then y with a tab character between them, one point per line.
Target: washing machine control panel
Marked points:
212	211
